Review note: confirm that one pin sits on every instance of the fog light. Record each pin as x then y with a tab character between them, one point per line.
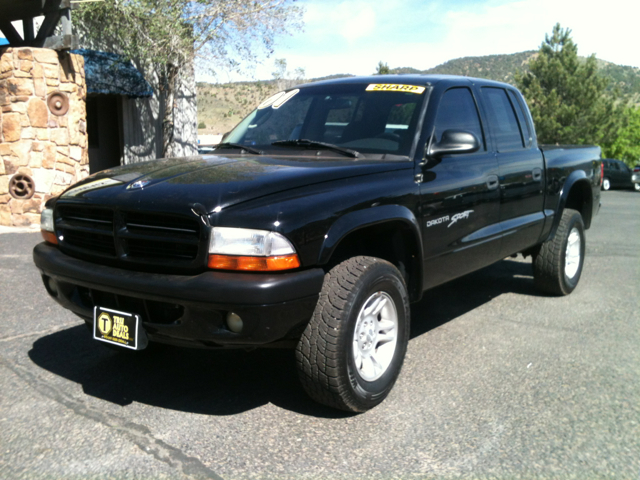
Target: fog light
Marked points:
234	322
52	286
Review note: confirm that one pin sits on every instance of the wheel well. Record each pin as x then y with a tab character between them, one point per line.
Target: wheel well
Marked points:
392	241
579	199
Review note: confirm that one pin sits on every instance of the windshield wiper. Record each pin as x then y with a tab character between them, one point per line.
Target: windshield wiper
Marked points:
301	142
241	147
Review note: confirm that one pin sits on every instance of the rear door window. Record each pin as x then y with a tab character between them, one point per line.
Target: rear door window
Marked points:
522	119
504	123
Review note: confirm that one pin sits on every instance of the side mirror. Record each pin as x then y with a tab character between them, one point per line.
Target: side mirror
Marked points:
454	141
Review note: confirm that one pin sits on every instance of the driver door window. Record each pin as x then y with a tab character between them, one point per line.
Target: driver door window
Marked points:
458	111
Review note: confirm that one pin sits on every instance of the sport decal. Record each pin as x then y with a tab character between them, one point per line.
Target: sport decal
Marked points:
452	220
460	216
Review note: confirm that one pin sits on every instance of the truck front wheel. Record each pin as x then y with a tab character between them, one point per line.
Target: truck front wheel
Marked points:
352	350
558	264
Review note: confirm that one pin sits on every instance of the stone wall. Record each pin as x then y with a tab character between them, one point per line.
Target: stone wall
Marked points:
43	131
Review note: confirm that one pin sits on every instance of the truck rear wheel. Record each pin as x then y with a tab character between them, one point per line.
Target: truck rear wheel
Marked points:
558	264
352	350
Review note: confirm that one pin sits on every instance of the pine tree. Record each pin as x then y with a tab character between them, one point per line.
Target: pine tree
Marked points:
626	145
566	95
382	69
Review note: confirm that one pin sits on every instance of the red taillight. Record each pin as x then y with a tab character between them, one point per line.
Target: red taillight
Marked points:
601	172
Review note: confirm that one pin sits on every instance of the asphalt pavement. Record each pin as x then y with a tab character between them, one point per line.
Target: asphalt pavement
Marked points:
499	382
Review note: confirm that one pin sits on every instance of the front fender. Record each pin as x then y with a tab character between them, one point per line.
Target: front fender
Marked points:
353	221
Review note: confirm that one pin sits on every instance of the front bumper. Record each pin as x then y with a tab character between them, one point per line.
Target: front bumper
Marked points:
186	310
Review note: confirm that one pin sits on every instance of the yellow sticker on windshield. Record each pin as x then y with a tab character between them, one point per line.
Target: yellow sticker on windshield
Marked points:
388	87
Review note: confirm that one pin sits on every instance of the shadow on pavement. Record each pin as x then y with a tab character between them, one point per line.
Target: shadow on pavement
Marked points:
451	300
211	382
227	382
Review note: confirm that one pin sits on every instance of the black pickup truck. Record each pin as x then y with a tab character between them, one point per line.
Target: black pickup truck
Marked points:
322	216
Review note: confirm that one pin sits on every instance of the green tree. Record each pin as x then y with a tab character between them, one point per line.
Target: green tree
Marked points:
566	95
382	69
169	36
626	145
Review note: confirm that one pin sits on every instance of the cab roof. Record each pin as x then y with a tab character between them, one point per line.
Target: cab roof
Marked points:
408	79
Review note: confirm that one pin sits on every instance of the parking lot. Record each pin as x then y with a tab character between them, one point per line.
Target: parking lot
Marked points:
499	382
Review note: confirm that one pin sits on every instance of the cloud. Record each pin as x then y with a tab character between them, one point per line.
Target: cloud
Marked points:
352	36
521	25
361	25
351	19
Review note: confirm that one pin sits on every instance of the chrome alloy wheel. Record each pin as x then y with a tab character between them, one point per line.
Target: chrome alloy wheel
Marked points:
375	336
572	254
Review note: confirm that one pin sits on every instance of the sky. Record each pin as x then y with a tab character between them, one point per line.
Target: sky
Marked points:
352	36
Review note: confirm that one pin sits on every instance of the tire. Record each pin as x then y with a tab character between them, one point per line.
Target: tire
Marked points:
558	265
606	184
350	333
636	187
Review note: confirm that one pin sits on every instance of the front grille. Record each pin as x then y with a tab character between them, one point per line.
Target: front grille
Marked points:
86	229
143	222
90	242
156	249
86	215
160	236
129	237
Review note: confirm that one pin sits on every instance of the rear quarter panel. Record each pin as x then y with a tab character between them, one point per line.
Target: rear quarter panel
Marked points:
565	166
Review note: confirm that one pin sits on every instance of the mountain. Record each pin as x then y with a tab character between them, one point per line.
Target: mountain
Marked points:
222	106
501	68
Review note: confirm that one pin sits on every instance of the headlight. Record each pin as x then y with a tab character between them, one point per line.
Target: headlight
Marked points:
252	250
47	228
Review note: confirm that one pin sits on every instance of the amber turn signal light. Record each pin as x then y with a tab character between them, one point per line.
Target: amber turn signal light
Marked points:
253	264
49	237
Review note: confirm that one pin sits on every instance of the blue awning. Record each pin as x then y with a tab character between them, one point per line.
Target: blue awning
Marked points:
109	74
4	41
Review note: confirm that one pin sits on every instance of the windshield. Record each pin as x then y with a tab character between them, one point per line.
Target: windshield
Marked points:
367	118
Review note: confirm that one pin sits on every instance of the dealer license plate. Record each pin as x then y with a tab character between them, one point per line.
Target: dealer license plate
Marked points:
118	328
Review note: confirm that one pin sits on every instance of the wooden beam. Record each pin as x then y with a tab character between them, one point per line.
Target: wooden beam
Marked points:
61	42
48	27
55	12
20	9
28	30
10	33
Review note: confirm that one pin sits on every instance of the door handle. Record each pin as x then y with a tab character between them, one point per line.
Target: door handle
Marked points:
537	174
492	182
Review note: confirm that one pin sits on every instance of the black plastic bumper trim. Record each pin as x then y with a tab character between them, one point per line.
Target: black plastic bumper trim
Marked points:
208	287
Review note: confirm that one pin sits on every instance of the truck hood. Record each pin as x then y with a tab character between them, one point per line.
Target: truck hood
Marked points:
216	182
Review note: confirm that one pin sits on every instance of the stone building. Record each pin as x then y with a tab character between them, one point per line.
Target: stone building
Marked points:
43	129
125	112
58	122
